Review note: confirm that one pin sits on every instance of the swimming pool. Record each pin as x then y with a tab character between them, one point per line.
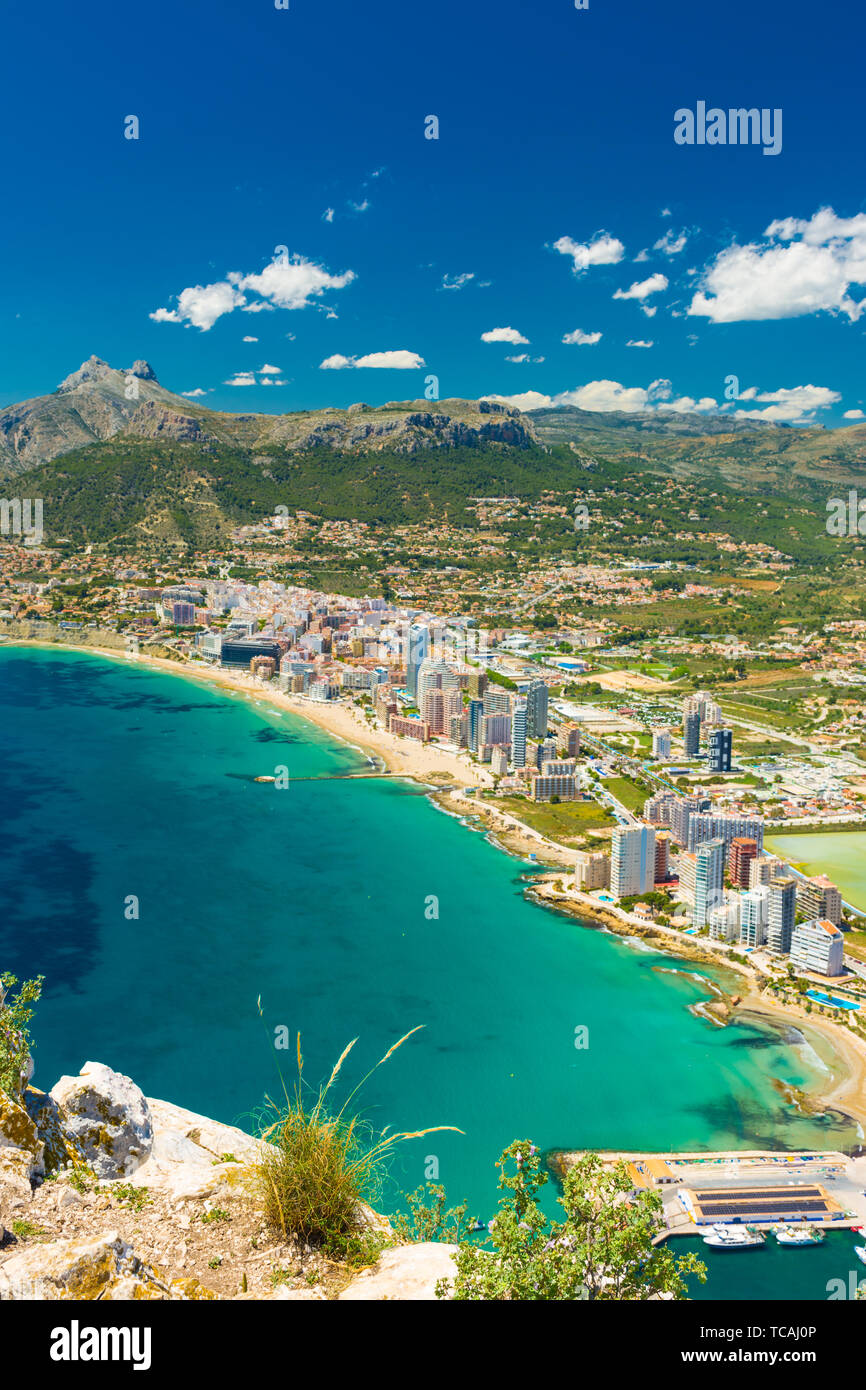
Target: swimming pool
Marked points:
832	1000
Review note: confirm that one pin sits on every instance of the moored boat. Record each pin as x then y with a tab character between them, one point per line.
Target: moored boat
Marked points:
860	1252
723	1237
799	1235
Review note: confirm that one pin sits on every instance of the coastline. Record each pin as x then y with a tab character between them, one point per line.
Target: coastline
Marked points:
402	757
845	1087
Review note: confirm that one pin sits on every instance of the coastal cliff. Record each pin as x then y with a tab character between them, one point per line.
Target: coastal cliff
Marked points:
108	1194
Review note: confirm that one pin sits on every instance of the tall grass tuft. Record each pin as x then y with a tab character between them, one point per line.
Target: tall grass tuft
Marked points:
318	1167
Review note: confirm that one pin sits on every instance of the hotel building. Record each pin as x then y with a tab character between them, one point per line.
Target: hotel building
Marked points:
632	862
818	946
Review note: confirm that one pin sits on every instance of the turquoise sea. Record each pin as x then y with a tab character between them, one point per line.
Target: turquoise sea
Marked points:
116	780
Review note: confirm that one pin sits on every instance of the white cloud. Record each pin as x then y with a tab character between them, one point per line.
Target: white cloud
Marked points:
202	305
289	282
665	212
503	335
399	359
790	403
580	338
249	340
192	394
456	282
669	244
268	370
812	272
854	415
359	207
612	395
260	306
242	379
328	215
292	282
524	357
524	400
602	250
639	342
649	309
640	289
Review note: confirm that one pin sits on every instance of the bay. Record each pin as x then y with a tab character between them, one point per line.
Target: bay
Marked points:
118	782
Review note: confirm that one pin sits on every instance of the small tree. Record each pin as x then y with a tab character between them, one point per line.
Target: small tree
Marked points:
602	1250
15	1044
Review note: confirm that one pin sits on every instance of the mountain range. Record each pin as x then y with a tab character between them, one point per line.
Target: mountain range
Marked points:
115	454
98	402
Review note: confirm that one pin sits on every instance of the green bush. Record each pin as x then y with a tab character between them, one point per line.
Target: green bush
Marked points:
15	1043
317	1168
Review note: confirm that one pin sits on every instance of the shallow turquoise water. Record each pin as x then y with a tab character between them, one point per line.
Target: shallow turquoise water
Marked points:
773	1271
116	781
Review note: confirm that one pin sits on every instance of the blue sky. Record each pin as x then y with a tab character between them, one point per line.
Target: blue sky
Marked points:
555	186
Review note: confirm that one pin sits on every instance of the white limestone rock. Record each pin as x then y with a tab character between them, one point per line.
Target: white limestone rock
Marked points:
408	1273
107	1117
191	1156
16	1170
66	1269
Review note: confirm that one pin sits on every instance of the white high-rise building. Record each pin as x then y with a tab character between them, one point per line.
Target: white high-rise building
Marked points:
781	914
711	825
709	879
632	863
661	743
724	921
754	912
762	869
818	946
518	734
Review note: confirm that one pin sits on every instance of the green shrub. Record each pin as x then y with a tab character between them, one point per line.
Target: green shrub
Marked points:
15	1044
432	1220
133	1198
317	1168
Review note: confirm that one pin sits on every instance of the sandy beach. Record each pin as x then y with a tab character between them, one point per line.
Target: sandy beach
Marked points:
404	757
845	1089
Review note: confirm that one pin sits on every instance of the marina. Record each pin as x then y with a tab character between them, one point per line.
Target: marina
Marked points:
734	1201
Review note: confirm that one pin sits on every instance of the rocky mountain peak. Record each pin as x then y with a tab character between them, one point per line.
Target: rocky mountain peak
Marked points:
143	370
94	369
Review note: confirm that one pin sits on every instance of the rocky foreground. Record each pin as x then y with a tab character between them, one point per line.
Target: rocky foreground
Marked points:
106	1194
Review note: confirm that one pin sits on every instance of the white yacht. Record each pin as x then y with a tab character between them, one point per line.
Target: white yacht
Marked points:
799	1235
860	1252
723	1237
